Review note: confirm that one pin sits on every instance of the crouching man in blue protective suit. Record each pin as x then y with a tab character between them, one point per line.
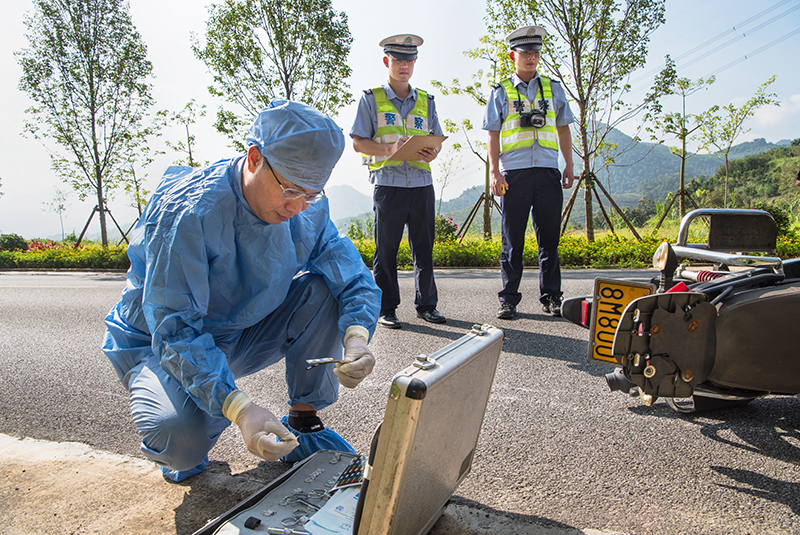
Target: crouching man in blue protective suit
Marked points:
233	268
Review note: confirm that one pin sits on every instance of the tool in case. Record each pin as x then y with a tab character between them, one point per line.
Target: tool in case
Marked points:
419	454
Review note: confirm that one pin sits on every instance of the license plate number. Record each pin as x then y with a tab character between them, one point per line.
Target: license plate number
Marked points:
609	301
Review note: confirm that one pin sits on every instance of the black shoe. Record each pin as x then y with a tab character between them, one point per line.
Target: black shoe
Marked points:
389	321
507	311
432	316
552	306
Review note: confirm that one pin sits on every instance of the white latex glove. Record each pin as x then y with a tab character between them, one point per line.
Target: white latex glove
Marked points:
257	424
358	360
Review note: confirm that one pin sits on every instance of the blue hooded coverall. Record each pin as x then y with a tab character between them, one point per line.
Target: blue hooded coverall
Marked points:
213	294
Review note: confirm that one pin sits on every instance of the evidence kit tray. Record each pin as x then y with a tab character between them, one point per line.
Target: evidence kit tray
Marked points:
419	454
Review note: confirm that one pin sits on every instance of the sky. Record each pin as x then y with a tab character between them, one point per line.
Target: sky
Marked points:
741	44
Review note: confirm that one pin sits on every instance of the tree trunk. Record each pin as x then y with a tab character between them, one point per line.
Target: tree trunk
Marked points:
102	209
588	183
725	204
681	190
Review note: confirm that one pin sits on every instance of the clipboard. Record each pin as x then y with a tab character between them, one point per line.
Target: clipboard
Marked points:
408	152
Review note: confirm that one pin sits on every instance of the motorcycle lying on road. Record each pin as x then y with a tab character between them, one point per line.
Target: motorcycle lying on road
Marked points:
701	338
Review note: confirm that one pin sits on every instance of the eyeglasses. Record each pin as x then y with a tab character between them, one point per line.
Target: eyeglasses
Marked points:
291	194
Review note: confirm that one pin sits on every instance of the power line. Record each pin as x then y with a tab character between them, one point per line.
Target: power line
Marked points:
750	55
717	38
763	48
760	26
732	29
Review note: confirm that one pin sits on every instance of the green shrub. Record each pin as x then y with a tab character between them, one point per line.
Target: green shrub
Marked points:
366	249
608	251
573	251
361	229
788	246
780	216
89	257
472	252
613	250
12	242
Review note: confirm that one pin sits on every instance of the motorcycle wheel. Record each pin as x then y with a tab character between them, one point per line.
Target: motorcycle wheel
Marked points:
701	403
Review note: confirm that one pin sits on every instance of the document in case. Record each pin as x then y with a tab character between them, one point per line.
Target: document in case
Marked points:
336	516
408	152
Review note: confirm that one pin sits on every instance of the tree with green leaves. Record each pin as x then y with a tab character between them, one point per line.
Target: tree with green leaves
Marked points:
259	50
593	46
58	204
491	50
131	178
86	70
721	132
186	117
448	164
681	125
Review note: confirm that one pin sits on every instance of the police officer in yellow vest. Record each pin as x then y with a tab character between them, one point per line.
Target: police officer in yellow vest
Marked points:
387	116
528	119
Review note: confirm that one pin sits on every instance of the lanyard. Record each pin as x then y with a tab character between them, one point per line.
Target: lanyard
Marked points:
542	103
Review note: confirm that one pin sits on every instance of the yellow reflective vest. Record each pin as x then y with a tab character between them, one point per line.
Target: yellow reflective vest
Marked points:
513	136
392	126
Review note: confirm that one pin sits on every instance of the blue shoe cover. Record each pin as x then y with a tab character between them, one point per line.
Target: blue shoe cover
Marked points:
179	475
327	439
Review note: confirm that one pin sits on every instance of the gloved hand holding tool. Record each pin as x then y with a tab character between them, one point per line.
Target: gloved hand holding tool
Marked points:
358	360
257	424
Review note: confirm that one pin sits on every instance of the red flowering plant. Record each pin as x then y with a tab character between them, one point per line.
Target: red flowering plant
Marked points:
36	245
446	230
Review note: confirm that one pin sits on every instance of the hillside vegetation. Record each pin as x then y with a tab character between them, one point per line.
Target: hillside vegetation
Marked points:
769	177
753	179
760	172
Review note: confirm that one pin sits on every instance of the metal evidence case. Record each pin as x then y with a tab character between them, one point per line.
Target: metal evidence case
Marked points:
424	447
419	454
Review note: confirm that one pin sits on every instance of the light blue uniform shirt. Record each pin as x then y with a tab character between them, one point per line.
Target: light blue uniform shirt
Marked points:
497	111
204	268
366	126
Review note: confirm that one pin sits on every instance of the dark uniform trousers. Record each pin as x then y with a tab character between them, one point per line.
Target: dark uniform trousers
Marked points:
537	191
394	209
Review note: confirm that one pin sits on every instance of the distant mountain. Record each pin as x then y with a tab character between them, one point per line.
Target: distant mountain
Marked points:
648	169
751	148
347	202
649	161
467	199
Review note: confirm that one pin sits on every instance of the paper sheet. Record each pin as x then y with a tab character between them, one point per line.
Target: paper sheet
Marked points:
408	152
336	517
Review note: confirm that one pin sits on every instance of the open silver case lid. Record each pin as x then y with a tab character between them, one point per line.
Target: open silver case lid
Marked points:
425	445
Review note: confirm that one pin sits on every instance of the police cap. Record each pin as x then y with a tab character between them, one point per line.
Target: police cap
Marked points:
402	47
527	38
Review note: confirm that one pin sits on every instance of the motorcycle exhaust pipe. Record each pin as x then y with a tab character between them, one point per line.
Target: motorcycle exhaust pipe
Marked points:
617	381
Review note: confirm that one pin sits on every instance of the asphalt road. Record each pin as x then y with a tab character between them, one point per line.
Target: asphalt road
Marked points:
557	448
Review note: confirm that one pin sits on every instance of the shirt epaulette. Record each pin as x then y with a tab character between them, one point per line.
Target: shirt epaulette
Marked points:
368	91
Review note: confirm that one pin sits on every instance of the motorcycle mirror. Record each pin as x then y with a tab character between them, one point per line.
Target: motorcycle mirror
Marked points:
666	261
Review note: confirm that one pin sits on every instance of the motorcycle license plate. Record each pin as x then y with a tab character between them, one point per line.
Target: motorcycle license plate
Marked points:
609	301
